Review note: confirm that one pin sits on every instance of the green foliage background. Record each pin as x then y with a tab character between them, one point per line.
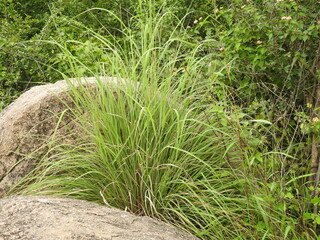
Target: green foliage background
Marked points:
269	55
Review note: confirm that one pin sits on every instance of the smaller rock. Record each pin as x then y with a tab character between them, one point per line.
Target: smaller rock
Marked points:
48	218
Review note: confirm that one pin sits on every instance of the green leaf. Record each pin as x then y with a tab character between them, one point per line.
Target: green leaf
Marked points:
305	38
218	109
315	200
289	195
293	37
308	215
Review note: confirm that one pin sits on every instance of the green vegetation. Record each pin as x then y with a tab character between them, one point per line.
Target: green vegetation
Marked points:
213	121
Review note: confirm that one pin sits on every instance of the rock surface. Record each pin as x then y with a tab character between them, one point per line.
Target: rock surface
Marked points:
29	122
39	217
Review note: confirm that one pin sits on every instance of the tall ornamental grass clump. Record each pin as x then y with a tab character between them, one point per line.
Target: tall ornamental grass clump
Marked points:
147	152
152	145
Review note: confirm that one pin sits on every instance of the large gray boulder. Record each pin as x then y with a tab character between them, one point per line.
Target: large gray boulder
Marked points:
36	218
30	122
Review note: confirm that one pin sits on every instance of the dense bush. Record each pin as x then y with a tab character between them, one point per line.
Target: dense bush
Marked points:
272	44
